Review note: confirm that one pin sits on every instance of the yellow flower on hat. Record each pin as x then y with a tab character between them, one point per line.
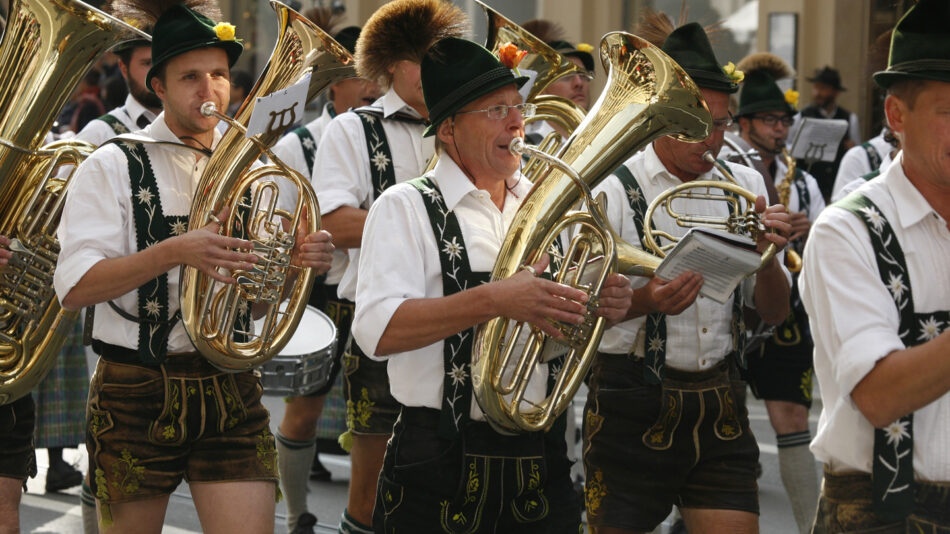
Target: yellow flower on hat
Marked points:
584	47
791	96
224	31
731	72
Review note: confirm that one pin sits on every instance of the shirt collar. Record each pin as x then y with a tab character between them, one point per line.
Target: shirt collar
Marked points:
455	185
912	206
135	109
393	103
656	169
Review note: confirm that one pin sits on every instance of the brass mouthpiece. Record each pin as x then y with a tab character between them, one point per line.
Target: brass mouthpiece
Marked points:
208	109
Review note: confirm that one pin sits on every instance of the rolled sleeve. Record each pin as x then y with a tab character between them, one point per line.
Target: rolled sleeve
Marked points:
392	263
92	227
340	169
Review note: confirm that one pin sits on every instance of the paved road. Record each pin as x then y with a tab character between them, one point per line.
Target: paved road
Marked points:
59	513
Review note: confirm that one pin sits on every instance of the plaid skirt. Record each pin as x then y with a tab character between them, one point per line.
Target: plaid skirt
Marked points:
61	396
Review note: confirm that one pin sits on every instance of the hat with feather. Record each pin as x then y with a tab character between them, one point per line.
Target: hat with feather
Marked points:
553	35
689	46
759	90
179	27
404	30
920	45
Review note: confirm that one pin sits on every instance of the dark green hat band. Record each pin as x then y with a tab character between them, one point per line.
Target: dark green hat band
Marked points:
456	72
716	81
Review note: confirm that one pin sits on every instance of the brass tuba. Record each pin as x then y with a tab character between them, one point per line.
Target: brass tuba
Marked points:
210	310
47	47
648	95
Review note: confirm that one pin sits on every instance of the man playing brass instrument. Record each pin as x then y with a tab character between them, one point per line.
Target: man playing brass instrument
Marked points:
662	424
877	291
781	370
158	411
361	153
419	298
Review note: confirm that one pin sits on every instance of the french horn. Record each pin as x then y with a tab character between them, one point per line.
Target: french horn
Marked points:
211	311
47	47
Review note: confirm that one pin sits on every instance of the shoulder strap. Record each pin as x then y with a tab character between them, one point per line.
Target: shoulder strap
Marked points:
874	158
114	123
382	170
308	144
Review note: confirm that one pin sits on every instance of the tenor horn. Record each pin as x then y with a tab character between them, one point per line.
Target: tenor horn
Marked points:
647	95
211	311
47	47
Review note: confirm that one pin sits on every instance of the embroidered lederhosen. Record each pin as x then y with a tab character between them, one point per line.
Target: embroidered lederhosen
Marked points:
151	227
463	513
307	142
893	466
114	123
661	434
874	159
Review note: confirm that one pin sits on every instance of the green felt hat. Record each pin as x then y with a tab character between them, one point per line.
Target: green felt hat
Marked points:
181	30
689	46
455	72
347	37
567	49
761	93
920	45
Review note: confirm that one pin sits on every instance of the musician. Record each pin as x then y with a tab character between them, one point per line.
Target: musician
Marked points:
141	105
826	87
876	288
445	468
362	153
860	164
780	371
296	442
662	425
158	411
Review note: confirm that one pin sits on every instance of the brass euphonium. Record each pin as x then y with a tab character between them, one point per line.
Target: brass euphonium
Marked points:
209	308
549	66
793	259
647	96
46	49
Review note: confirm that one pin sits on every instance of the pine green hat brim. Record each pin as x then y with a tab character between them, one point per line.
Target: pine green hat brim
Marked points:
180	30
920	45
456	72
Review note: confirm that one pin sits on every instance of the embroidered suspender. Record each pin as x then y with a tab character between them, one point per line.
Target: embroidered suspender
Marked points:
307	142
457	276
114	123
151	226
874	159
872	175
381	166
655	345
893	466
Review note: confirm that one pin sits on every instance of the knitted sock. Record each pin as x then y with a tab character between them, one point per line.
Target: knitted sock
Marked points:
797	465
293	464
348	525
90	521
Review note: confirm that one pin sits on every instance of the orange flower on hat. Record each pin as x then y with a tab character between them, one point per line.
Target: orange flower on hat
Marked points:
510	56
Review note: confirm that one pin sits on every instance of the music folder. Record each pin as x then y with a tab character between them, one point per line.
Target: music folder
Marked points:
724	260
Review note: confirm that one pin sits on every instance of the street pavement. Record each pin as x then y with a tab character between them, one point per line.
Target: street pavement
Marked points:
59	513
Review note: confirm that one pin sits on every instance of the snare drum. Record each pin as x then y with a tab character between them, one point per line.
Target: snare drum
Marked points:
304	364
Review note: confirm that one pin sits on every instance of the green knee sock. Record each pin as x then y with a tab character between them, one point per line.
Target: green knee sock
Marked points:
797	465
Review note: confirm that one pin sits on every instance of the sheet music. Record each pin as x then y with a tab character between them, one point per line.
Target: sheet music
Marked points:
280	109
818	139
722	264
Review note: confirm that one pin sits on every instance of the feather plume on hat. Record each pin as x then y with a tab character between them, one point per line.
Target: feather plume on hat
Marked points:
324	18
765	61
405	29
655	26
545	30
145	13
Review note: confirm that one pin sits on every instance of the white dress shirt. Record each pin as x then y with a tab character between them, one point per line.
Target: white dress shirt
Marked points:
852	186
398	231
701	336
98	223
98	132
855	164
343	164
289	149
854	319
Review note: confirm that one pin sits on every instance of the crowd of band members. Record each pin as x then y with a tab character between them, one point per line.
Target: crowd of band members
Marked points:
666	384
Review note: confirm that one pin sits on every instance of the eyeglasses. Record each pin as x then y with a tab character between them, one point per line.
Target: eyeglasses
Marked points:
772	120
724	124
586	76
501	111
